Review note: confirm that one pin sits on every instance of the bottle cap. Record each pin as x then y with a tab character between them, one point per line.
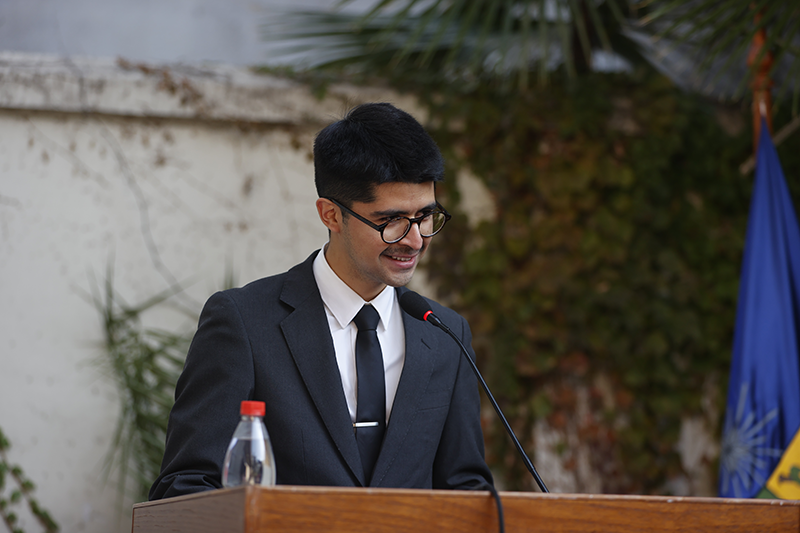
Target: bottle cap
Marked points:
250	408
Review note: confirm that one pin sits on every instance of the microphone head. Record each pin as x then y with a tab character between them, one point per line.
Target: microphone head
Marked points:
415	305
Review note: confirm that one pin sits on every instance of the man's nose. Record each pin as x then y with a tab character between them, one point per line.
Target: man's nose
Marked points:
413	238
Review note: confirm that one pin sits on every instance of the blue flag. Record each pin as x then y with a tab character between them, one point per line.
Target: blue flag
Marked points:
763	410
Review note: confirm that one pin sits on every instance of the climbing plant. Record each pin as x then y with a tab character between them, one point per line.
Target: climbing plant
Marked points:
145	363
608	264
15	489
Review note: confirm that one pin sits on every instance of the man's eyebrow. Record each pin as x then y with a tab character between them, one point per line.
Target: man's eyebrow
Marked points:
391	213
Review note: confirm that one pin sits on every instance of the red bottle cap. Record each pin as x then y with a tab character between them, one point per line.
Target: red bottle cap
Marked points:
252	408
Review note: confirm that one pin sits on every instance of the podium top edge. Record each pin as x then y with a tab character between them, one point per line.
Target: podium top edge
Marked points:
245	492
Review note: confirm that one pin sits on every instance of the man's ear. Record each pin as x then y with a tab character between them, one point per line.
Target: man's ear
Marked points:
329	214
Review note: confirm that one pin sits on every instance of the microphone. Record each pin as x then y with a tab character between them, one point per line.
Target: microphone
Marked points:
416	306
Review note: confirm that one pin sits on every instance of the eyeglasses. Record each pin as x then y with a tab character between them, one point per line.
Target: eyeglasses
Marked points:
397	228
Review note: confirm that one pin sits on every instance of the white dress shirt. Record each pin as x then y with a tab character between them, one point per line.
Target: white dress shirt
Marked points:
341	306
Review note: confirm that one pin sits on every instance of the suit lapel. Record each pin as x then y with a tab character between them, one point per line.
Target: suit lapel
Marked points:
421	347
309	341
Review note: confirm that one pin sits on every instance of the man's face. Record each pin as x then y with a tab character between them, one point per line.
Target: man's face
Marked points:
357	253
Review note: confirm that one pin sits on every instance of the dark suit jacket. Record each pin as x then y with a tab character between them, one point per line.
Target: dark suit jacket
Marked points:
270	341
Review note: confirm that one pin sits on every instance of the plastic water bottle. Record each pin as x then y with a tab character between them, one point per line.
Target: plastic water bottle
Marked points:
249	460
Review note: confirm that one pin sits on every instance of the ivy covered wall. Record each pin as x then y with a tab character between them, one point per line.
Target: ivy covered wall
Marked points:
602	289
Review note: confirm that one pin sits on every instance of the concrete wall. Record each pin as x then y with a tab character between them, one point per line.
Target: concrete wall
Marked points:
168	173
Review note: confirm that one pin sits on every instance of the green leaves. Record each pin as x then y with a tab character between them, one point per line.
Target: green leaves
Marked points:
718	34
466	39
613	261
702	44
22	492
145	363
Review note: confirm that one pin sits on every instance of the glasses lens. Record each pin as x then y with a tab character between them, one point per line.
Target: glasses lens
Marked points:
431	224
428	226
396	230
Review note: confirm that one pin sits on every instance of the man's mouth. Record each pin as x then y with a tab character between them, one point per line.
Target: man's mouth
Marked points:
406	259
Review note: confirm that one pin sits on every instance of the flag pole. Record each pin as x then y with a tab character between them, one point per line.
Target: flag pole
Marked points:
762	84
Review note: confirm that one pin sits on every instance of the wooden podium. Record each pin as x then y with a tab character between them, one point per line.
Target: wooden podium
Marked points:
339	510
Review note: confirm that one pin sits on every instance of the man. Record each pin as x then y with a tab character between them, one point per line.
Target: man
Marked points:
292	340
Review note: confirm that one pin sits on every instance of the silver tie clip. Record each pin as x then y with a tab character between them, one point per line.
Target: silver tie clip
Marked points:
365	424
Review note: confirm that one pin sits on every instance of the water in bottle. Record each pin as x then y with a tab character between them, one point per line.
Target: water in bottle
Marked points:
249	460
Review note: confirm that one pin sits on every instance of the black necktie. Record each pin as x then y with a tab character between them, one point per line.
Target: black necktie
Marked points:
371	401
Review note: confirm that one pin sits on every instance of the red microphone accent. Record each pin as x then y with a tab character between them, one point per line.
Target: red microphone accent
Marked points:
425	316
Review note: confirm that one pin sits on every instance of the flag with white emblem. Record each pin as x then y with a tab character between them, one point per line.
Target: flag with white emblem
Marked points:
760	450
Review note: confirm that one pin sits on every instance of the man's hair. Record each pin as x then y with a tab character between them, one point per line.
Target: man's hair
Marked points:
373	144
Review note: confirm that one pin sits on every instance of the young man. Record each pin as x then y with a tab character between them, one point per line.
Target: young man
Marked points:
295	340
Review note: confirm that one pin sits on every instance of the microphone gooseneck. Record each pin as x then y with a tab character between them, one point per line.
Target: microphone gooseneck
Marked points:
416	306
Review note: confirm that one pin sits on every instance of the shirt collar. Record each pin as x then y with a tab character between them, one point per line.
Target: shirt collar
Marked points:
343	302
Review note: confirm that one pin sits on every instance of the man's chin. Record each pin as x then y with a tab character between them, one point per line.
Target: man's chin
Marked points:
400	280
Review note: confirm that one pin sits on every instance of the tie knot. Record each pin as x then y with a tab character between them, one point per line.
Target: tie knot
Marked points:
367	319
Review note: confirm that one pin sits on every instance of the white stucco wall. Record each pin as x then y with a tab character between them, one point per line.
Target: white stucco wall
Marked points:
168	180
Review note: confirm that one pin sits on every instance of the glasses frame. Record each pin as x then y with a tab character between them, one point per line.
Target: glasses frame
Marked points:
380	227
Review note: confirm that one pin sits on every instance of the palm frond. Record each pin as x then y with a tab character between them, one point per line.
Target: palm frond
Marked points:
713	38
701	44
454	37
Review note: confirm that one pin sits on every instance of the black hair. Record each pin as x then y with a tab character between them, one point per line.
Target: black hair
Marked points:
373	144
